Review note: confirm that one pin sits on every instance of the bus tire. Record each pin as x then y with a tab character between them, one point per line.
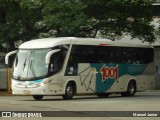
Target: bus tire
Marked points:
37	97
131	89
69	92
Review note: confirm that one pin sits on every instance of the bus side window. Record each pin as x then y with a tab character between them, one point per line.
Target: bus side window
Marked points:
90	54
133	56
76	55
140	55
74	58
105	54
148	55
56	62
120	55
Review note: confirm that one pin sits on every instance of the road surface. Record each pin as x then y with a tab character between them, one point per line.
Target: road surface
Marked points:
84	107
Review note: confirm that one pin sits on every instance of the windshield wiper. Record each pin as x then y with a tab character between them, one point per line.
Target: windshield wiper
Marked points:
32	69
24	65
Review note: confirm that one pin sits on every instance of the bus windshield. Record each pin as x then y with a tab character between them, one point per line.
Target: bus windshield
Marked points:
30	64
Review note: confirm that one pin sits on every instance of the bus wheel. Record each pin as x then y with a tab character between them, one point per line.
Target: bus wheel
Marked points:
70	91
38	97
102	95
131	90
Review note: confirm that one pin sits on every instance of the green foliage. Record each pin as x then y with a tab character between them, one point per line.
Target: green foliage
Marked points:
116	17
66	17
29	19
21	17
110	17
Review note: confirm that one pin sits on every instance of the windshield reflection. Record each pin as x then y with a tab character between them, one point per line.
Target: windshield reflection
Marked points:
30	64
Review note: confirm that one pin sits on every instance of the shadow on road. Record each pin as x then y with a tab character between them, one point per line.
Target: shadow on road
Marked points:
93	97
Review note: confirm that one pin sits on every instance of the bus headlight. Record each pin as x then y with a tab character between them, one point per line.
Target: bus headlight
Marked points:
43	83
46	81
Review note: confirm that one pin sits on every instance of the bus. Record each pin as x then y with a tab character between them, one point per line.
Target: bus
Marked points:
69	66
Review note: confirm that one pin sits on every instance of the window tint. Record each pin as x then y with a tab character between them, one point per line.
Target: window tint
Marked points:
148	55
106	54
57	59
110	54
83	54
90	54
121	55
76	55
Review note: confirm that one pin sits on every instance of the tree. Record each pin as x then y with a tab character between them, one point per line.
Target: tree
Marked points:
2	20
66	17
29	19
21	21
118	16
85	18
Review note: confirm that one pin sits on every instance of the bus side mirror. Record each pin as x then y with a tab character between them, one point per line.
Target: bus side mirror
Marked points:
8	55
48	56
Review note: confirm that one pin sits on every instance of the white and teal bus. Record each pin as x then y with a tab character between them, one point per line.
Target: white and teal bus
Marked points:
68	66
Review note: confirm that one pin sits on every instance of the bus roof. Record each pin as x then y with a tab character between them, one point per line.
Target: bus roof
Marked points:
51	42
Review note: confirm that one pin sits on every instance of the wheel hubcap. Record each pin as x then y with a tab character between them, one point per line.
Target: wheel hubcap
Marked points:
131	89
70	91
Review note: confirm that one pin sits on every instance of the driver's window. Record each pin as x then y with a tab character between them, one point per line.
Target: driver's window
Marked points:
57	59
55	62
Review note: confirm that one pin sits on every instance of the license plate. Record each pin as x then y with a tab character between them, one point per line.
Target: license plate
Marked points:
26	91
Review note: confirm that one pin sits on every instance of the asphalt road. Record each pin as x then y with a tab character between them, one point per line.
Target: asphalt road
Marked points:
80	105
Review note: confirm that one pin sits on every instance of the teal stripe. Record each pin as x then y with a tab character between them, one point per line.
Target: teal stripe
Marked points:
123	69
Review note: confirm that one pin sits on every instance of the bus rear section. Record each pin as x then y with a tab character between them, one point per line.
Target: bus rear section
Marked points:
111	69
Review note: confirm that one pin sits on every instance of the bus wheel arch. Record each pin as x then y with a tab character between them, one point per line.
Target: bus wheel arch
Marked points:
131	88
70	90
